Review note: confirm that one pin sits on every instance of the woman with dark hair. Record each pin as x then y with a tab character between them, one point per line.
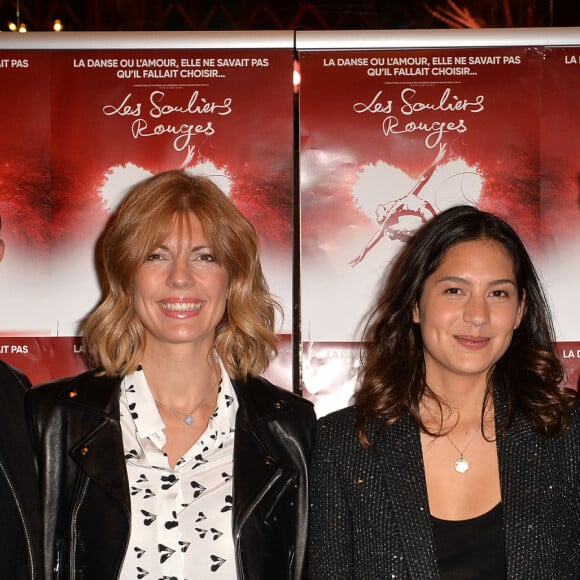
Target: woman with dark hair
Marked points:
173	458
461	455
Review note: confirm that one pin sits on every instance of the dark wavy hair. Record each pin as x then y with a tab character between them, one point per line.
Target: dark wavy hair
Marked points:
392	380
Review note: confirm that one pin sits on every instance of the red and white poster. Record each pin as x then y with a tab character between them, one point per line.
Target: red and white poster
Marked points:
392	136
391	133
25	183
88	121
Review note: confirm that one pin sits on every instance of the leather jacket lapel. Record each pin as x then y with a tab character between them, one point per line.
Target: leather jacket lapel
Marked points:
105	441
273	438
256	467
98	449
255	471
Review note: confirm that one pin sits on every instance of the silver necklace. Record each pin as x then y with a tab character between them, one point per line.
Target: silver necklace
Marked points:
462	464
188	418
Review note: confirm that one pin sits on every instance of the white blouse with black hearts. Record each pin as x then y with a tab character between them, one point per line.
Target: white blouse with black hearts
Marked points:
181	518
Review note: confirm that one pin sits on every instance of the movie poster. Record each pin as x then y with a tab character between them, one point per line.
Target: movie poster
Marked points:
26	314
109	118
390	138
559	258
25	194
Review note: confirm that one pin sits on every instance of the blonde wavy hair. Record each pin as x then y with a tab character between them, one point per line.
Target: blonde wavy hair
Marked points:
113	335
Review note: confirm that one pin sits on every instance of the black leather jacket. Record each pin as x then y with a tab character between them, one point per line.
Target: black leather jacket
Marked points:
20	550
85	491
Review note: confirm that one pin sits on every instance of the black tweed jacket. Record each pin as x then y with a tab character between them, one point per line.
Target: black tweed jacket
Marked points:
370	514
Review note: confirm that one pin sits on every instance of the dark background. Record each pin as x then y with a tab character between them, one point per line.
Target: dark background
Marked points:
132	15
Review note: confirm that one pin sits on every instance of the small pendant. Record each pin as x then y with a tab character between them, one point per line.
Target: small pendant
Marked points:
461	465
189	420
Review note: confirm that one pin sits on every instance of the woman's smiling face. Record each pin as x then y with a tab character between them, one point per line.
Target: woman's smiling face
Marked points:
468	311
180	290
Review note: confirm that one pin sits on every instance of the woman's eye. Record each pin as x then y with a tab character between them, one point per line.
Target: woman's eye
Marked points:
204	258
154	257
499	293
452	291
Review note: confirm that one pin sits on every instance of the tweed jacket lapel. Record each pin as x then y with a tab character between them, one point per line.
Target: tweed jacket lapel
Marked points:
522	474
398	450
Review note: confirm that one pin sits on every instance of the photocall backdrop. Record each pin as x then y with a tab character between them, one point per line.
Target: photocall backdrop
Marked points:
87	117
397	126
392	127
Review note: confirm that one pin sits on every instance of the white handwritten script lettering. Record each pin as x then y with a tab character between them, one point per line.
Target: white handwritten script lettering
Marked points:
196	106
412	104
162	115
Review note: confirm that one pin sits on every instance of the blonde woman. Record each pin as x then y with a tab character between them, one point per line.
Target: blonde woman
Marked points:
173	458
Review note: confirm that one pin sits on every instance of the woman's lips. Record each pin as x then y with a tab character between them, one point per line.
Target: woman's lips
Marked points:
180	308
473	342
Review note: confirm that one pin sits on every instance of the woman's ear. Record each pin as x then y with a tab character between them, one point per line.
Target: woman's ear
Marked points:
416	316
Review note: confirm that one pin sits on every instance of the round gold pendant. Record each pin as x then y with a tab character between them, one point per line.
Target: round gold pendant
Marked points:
461	465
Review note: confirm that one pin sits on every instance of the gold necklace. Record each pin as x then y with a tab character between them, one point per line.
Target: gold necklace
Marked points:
461	465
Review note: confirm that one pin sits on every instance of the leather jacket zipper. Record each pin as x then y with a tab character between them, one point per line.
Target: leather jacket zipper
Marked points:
77	504
23	520
276	476
73	531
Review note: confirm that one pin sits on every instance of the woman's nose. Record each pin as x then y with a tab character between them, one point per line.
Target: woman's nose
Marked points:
476	311
181	274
